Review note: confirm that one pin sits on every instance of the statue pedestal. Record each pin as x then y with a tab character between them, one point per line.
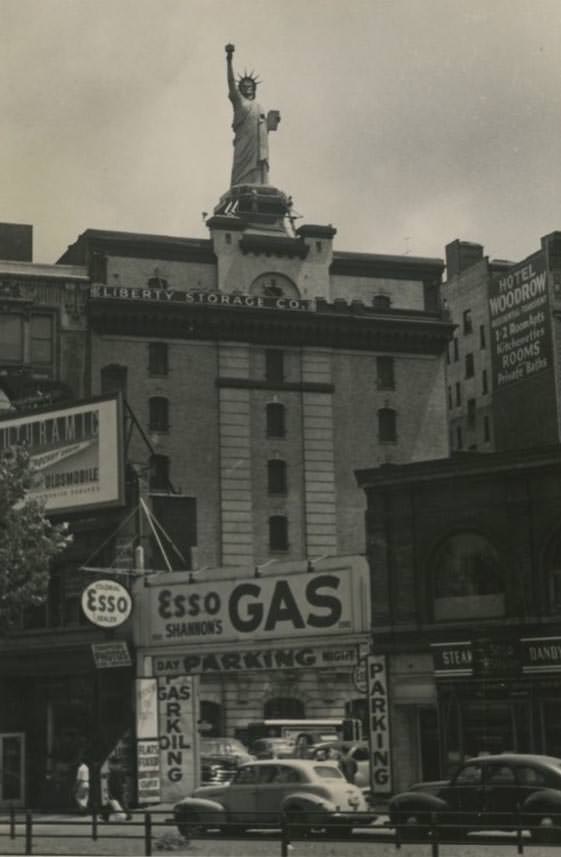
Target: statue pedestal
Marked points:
263	206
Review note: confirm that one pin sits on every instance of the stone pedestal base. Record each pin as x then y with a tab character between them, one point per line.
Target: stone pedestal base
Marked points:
259	205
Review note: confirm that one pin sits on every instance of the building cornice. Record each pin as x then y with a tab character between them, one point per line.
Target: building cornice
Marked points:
404	332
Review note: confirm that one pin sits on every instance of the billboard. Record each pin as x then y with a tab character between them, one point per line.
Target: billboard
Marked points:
76	451
294	605
521	339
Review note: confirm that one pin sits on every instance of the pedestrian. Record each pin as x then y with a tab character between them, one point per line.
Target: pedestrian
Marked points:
348	767
117	804
82	785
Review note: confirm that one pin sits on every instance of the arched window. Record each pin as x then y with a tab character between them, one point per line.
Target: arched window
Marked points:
286	707
158	413
276	476
467	579
387	425
276	423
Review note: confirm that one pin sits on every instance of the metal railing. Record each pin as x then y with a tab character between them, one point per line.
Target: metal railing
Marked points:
435	830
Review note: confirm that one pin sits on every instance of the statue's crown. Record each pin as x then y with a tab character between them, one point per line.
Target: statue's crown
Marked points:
251	76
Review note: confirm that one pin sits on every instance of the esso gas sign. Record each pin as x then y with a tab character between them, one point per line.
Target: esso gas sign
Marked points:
106	603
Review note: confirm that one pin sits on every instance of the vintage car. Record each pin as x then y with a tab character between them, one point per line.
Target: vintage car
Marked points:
309	794
273	748
497	792
221	758
357	750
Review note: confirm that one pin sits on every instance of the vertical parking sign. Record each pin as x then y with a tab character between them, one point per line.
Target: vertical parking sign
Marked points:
379	725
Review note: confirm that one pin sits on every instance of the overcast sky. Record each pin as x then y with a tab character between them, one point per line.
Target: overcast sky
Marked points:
405	123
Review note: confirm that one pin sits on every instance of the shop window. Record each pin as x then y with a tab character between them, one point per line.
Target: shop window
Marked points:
276	476
278	533
158	358
41	340
385	373
467	323
387	425
211	719
159	473
469	366
274	365
276	423
11	339
158	413
285	707
553	573
467	578
114	379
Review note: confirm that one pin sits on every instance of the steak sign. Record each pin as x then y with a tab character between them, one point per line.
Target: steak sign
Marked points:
293	605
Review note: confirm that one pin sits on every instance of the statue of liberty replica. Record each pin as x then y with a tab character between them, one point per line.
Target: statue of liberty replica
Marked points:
250	195
251	128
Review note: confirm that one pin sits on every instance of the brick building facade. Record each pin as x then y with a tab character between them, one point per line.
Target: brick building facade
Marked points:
263	367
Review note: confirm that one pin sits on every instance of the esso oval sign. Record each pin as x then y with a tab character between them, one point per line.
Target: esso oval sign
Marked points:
106	603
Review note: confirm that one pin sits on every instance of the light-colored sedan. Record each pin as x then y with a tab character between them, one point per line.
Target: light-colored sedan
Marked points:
308	793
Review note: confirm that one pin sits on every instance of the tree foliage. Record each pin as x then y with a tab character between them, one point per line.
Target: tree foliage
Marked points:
28	540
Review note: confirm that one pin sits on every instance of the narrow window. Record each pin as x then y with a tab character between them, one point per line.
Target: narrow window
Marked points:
276	423
459	439
276	476
484	382
158	358
482	336
458	394
448	354
385	372
11	338
274	365
114	379
471	412
41	340
387	425
469	366
158	408
278	533
467	323
159	473
456	350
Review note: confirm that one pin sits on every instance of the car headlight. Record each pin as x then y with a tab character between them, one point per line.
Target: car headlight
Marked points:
354	801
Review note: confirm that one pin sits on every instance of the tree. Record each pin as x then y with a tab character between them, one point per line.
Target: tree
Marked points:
28	540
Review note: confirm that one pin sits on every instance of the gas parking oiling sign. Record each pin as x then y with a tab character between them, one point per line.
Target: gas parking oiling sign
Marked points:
242	610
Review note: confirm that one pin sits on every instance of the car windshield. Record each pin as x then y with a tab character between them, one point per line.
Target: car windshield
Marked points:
328	772
222	746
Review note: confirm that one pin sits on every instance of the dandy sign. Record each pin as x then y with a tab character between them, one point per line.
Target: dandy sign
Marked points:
292	605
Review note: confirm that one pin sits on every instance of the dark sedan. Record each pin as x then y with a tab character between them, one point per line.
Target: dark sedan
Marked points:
498	792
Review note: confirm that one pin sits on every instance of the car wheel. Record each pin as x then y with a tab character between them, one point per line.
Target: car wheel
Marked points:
188	826
546	828
296	821
413	825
